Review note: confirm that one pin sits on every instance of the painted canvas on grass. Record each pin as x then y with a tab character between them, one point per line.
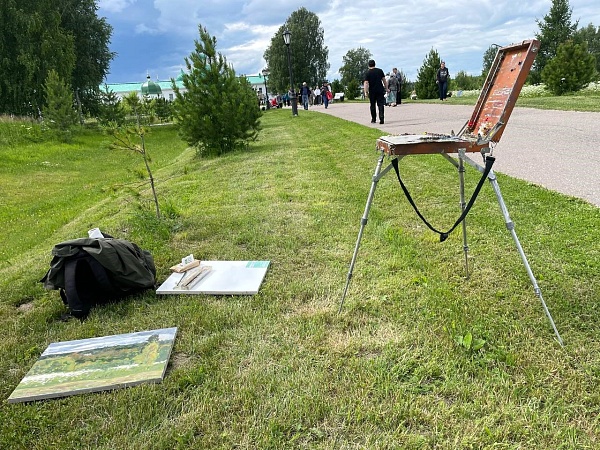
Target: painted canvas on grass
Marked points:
97	364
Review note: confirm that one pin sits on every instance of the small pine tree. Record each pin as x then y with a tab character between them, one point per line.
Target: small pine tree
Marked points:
163	109
425	85
406	86
352	89
125	137
572	68
59	113
219	110
110	108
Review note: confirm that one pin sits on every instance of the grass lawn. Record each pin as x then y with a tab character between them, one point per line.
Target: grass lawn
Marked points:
282	369
589	102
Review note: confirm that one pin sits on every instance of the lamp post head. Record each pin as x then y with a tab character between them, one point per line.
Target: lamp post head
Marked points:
265	72
287	37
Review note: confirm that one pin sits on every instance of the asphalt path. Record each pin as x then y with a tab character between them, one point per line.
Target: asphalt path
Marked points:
559	150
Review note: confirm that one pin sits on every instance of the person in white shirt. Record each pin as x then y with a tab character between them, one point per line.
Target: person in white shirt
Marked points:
317	92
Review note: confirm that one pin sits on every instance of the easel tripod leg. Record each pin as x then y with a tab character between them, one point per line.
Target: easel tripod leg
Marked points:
511	227
463	205
460	166
376	176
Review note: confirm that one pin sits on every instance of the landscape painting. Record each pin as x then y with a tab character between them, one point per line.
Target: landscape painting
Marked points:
97	364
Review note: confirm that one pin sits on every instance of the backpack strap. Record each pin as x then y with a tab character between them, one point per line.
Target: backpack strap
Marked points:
77	297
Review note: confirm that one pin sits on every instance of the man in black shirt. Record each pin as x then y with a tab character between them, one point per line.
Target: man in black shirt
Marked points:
375	86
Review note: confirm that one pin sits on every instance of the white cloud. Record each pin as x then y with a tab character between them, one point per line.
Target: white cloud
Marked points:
114	6
398	35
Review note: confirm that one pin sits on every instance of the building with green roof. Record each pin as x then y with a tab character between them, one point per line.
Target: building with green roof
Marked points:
164	88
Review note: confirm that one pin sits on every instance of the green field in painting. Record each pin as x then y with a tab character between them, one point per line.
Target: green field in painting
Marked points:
93	370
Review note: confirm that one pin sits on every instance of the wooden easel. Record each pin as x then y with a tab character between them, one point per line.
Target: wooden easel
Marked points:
479	135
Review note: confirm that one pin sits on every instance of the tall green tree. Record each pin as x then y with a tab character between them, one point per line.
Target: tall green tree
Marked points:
91	44
218	111
425	85
555	28
309	54
355	65
571	69
591	36
37	36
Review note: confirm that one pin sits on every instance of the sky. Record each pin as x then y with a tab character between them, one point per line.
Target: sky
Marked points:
152	37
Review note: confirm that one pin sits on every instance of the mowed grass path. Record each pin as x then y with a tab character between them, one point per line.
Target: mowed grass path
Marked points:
282	369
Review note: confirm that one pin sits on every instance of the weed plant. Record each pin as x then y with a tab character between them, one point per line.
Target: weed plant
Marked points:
420	357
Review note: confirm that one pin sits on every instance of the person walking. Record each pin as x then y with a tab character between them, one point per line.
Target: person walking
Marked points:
399	91
325	94
375	86
305	93
392	98
317	92
442	77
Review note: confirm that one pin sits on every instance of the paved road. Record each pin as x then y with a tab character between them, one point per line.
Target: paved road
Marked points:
559	150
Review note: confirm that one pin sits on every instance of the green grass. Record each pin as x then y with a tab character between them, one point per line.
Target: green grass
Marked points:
282	369
589	102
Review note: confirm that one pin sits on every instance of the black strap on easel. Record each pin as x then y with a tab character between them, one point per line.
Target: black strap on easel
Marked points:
489	161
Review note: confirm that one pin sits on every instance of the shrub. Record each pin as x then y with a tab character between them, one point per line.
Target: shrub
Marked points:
571	69
219	110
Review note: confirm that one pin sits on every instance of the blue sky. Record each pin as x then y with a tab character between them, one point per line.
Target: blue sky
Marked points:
154	36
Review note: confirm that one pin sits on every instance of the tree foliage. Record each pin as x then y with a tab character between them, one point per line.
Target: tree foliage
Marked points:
463	81
555	28
59	114
124	138
425	85
591	36
488	59
355	65
92	56
352	89
406	86
219	110
572	68
110	108
309	53
336	86
37	36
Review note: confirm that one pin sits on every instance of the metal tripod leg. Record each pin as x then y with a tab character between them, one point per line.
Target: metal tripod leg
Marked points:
376	177
460	166
511	227
463	205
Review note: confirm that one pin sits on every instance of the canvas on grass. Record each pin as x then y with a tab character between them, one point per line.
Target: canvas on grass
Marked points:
97	364
222	278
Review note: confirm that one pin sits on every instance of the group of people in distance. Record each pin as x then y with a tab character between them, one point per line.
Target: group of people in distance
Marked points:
376	86
306	97
315	96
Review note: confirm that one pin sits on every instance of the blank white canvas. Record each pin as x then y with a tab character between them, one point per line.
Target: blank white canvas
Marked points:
225	278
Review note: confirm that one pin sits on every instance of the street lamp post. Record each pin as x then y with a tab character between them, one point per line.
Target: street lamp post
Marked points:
265	73
287	38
